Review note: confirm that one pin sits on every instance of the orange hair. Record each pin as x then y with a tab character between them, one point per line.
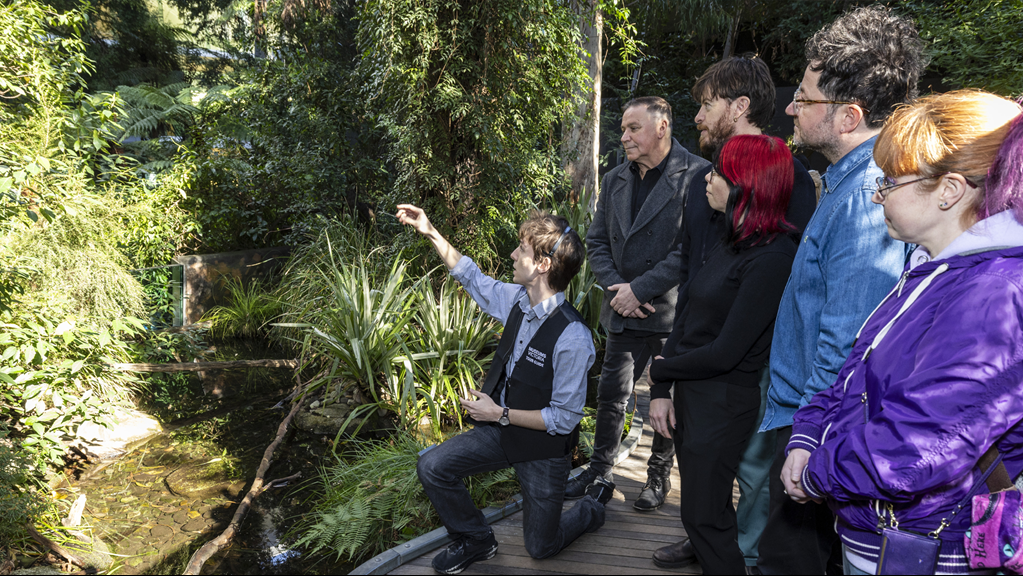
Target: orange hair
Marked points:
959	132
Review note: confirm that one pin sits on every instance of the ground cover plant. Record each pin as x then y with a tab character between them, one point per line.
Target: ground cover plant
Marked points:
372	498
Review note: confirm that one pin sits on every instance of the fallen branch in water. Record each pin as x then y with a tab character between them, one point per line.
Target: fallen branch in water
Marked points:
201	366
220	542
53	546
280	482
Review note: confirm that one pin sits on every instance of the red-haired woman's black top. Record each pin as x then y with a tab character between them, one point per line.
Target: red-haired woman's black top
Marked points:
726	320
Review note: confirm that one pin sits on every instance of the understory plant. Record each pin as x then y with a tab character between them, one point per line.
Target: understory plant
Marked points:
409	346
19	502
372	499
252	306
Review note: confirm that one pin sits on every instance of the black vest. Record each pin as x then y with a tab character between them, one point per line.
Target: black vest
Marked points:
531	385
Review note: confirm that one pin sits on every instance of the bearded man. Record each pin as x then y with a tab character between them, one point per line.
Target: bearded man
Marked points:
737	96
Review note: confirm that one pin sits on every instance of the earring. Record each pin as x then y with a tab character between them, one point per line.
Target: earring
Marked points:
734	120
943	205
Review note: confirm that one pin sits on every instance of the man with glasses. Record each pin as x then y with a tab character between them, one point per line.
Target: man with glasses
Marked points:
860	68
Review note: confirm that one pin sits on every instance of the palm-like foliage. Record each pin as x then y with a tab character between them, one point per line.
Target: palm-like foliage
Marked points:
448	347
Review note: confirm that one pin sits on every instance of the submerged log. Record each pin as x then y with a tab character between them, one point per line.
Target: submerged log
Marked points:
202	366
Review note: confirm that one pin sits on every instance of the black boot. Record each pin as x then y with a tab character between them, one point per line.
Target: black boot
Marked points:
653	494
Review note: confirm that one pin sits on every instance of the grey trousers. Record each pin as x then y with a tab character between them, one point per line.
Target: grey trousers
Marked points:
625	359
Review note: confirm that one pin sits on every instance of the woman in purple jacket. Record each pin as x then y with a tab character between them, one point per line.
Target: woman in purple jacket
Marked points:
935	377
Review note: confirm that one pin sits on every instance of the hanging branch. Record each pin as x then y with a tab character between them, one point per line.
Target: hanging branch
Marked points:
220	542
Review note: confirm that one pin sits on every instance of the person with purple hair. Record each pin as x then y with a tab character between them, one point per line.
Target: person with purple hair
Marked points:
932	394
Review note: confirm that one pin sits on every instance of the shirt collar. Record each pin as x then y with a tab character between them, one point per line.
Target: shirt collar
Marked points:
543	309
849	163
659	168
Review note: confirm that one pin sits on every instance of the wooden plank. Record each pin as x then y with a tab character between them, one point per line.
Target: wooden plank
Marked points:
201	366
593	544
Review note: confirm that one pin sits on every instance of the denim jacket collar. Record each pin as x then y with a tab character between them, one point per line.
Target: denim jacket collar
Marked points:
851	162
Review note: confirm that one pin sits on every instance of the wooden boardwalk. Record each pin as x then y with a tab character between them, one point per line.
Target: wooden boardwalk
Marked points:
624	544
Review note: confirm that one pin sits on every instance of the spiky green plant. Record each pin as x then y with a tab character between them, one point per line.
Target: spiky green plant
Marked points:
252	307
448	345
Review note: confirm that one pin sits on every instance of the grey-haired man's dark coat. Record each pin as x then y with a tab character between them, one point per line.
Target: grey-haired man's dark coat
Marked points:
644	253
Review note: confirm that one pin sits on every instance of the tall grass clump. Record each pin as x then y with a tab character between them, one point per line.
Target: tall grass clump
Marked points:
449	342
253	305
373	499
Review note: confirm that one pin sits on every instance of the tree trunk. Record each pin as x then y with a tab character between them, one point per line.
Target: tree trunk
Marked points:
733	31
580	142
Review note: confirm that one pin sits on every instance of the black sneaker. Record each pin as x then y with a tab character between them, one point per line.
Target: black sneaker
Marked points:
601	490
463	552
576	487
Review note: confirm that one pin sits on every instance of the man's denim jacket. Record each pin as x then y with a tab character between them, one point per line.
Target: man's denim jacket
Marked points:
845	266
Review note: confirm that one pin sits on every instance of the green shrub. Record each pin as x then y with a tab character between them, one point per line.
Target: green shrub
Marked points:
20	504
374	500
448	341
252	307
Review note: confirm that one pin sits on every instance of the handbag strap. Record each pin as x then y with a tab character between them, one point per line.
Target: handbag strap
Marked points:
990	464
999	479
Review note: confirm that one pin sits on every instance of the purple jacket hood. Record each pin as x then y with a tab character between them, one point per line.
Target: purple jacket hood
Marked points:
934	378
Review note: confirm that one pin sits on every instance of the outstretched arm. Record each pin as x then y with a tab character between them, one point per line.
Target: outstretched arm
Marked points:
415	217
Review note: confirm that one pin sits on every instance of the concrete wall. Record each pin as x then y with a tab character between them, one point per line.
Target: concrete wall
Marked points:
205	275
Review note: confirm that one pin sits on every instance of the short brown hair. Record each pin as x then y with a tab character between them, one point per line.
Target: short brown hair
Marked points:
960	132
654	105
739	76
542	231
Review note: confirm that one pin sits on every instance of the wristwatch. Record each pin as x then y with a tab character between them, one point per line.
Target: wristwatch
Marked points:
504	421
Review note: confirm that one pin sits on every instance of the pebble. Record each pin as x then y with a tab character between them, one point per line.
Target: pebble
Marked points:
161	531
195	525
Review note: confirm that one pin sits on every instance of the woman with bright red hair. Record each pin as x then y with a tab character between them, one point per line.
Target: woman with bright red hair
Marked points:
721	341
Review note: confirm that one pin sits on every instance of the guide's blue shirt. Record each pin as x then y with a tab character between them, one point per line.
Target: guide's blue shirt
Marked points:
845	265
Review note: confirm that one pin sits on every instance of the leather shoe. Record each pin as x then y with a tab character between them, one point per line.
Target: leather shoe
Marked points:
675	555
653	494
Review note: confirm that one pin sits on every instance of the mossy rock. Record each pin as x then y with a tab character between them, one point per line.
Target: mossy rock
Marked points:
203	481
326	420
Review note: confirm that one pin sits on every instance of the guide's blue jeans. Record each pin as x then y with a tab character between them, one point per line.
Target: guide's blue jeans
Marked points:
545	529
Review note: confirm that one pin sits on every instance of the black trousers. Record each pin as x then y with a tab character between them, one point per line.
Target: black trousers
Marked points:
799	538
714	425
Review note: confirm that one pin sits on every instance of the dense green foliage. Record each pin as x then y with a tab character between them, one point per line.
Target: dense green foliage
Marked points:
368	322
18	502
975	43
469	93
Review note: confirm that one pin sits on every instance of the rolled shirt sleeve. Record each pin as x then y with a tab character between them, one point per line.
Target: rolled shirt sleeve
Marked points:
573	356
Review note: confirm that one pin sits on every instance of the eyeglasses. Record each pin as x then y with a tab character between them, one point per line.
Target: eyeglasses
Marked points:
885	184
714	172
797	103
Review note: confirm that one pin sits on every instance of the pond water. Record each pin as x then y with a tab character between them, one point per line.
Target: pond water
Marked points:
157	504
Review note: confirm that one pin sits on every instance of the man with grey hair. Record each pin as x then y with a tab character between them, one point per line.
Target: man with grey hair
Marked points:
859	69
634	252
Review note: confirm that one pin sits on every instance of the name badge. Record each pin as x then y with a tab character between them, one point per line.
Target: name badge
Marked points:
536	357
